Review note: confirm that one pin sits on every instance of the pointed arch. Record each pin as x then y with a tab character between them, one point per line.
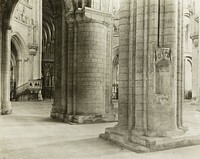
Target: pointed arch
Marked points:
21	46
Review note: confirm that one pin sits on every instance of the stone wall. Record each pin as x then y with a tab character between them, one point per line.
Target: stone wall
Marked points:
26	23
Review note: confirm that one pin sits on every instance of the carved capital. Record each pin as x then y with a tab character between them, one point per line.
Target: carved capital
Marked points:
193	37
32	49
77	16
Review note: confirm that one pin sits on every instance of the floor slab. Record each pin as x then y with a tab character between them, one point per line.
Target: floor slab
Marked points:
29	133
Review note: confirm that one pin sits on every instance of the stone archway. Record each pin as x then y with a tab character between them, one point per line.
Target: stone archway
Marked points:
7	9
21	53
82	62
188	77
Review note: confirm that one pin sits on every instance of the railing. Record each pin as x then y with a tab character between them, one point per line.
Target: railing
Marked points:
35	86
32	86
22	88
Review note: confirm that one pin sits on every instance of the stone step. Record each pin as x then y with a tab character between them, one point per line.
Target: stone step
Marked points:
171	143
138	140
128	144
136	147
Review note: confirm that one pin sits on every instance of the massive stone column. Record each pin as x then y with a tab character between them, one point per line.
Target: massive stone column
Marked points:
1	50
6	56
151	75
86	89
57	110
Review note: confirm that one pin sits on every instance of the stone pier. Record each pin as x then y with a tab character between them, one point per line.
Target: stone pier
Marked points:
6	104
151	74
88	68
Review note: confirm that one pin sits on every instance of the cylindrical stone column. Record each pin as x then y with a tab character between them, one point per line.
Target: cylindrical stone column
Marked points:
6	104
64	73
90	68
123	63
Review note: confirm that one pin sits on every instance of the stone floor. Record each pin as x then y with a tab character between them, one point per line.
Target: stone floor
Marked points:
29	133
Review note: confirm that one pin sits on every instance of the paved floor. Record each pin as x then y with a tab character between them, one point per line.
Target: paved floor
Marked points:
29	133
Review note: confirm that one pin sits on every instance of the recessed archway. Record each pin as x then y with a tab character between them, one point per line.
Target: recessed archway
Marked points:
59	9
21	51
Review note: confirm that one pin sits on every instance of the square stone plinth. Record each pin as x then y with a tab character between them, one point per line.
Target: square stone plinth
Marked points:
142	144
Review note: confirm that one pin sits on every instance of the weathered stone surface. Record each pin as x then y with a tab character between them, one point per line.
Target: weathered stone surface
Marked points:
150	84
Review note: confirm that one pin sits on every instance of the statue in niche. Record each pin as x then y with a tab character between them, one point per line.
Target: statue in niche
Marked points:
163	53
162	59
162	77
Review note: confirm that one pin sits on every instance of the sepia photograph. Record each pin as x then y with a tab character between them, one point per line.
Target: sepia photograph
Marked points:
99	79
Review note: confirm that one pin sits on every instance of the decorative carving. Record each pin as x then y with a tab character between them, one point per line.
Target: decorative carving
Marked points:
162	77
22	14
162	59
48	69
35	86
162	100
162	54
48	79
32	49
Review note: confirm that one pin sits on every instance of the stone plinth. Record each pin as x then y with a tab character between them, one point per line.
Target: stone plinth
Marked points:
150	78
142	144
89	119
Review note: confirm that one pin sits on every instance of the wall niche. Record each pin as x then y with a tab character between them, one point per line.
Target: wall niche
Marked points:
162	77
162	71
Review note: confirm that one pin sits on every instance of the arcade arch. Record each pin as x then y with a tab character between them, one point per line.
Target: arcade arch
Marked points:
12	42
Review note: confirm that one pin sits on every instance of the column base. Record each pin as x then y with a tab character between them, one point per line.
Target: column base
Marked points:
57	116
90	119
84	119
6	108
142	144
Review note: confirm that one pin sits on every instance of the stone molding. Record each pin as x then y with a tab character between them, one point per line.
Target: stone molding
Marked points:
33	49
195	39
162	54
89	15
